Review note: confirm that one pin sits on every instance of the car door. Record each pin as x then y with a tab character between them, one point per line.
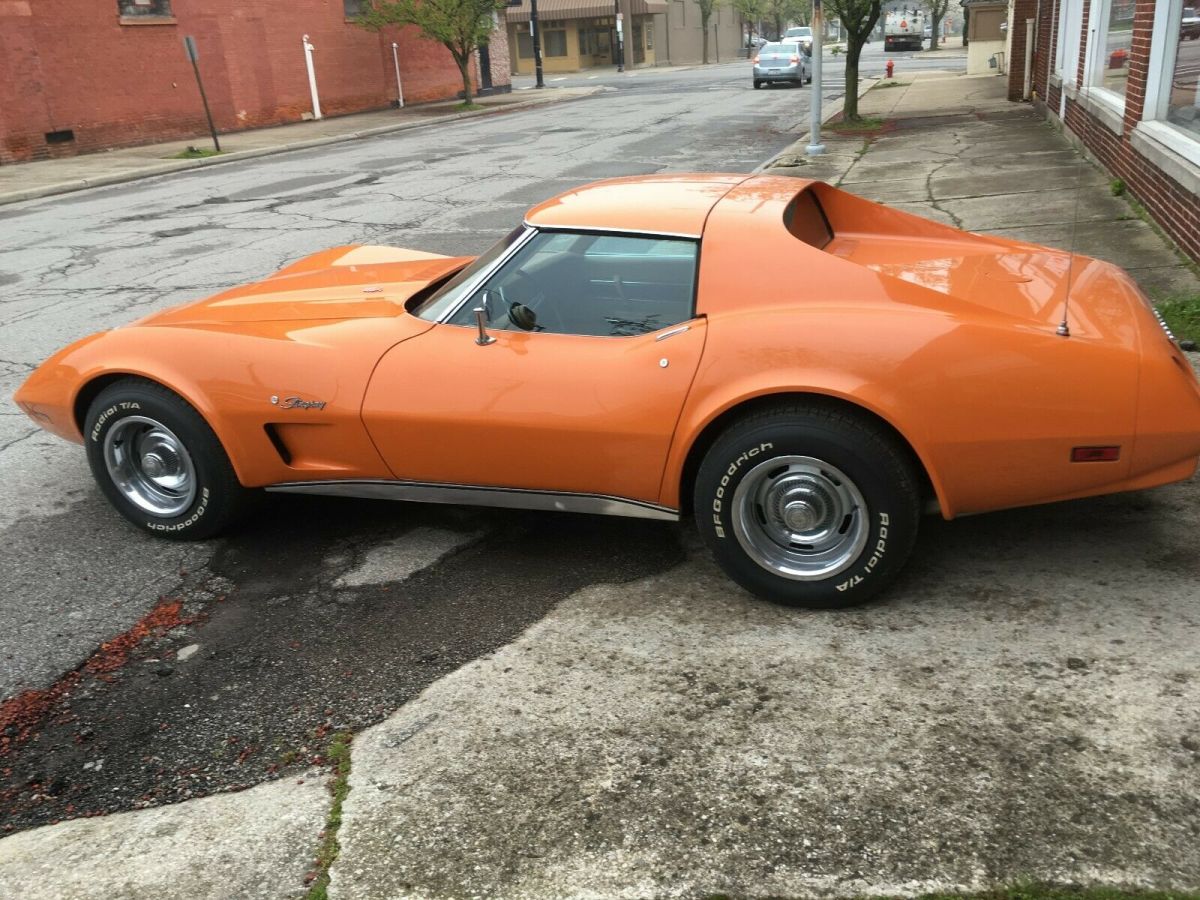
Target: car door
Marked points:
591	346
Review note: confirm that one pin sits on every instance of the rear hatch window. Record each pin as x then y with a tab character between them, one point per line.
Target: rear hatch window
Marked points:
806	220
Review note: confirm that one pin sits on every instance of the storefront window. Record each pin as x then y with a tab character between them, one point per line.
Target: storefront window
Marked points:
524	45
555	43
1183	97
1113	67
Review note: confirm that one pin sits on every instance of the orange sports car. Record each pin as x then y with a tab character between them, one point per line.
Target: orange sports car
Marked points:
632	348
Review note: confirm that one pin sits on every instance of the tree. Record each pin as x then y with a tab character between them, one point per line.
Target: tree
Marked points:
858	18
461	26
751	11
783	12
706	11
937	11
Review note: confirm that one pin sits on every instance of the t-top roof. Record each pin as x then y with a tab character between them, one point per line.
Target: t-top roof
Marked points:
652	204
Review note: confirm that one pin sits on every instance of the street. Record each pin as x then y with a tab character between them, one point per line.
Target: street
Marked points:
558	699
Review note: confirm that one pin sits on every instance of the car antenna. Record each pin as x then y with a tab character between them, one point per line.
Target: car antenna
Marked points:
1064	327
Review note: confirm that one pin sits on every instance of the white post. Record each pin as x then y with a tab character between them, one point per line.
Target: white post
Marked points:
396	63
312	77
1028	59
815	147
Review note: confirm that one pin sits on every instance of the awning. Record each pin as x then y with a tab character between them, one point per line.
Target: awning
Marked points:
555	10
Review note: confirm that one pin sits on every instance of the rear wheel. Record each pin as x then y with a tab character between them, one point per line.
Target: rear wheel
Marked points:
159	463
808	505
757	83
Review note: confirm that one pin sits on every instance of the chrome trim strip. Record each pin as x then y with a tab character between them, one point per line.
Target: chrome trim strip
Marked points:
631	232
475	495
674	331
468	288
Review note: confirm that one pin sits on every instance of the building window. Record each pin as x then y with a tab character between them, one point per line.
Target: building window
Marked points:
555	42
1115	45
524	45
1178	101
1171	115
649	35
1070	26
352	8
132	8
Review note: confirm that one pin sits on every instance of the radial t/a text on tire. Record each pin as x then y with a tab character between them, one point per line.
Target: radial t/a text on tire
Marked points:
808	505
159	463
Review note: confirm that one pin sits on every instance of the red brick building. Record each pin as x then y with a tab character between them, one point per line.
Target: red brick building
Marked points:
81	75
1123	76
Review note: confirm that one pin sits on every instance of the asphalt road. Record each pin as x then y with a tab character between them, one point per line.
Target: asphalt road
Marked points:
275	637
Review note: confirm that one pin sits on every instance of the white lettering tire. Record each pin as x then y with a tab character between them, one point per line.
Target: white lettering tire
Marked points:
808	505
159	463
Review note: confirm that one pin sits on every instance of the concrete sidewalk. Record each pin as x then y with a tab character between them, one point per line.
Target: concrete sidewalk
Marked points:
954	149
643	741
44	178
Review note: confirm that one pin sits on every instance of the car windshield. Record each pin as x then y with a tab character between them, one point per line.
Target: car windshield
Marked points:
443	299
799	32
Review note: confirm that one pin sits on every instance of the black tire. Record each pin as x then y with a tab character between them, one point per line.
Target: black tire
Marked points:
757	84
842	469
204	499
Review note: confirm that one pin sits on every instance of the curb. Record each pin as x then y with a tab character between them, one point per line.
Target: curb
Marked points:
183	165
797	148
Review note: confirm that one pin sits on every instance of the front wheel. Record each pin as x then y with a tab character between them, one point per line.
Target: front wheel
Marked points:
159	463
808	505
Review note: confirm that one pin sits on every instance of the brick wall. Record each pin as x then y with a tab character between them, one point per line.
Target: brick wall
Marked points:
76	65
1175	208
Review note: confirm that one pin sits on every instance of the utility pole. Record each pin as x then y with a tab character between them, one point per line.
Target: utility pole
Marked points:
815	147
620	38
536	35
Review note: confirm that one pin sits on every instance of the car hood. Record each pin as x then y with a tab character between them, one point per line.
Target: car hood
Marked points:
342	283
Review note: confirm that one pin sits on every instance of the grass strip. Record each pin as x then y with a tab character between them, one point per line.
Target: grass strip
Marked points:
1182	312
338	756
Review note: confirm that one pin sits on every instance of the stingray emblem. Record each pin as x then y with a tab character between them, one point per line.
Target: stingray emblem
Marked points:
297	403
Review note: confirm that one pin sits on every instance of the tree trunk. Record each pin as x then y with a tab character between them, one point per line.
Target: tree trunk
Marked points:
464	69
704	43
854	45
933	40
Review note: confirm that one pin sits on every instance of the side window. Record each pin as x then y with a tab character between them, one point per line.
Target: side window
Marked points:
587	284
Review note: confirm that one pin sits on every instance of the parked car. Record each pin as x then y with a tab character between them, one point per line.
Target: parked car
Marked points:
801	35
630	349
1190	26
783	63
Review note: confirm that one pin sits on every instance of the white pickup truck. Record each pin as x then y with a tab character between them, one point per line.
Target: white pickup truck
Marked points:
903	30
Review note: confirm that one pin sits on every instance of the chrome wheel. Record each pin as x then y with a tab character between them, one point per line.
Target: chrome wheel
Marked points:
800	518
150	466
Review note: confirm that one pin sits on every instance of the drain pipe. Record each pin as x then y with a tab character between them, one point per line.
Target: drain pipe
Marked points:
1028	59
312	76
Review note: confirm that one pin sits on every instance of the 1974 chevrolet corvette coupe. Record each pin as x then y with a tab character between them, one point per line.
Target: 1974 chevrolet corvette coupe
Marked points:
802	370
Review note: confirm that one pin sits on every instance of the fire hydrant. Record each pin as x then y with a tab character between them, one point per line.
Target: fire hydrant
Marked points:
889	67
